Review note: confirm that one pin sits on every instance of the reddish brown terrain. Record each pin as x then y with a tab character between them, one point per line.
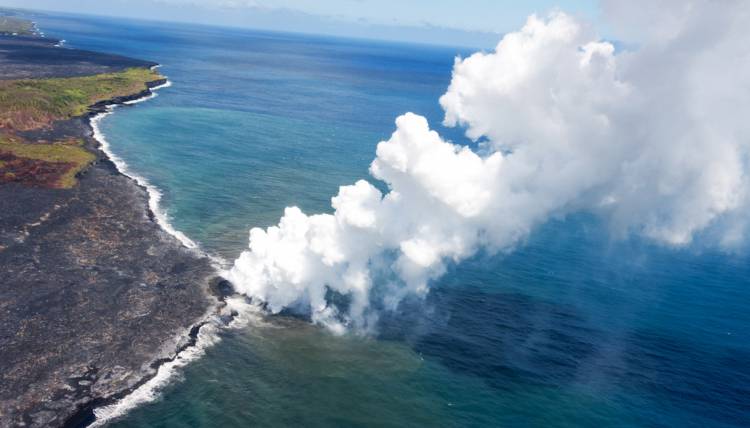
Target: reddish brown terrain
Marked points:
30	172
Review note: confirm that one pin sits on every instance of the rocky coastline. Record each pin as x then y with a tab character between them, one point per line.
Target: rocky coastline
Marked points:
94	294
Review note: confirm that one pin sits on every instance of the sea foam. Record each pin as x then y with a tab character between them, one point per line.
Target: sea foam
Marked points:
243	313
207	336
150	390
154	194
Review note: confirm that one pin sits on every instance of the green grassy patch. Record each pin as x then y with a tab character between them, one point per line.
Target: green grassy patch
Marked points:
35	103
70	153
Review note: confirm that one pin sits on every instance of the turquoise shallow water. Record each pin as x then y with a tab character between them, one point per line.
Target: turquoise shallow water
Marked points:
572	329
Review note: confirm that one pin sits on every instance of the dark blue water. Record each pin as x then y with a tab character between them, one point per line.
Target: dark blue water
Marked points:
572	329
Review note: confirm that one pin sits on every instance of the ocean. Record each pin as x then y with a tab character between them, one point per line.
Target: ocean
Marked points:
573	328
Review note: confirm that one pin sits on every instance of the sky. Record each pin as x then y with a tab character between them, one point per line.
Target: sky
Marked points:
474	23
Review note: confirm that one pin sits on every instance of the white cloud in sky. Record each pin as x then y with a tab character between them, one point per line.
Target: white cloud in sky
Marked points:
655	139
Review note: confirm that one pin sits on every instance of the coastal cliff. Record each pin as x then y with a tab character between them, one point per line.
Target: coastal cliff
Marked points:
94	295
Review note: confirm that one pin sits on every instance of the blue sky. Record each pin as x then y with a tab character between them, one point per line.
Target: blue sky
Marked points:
466	22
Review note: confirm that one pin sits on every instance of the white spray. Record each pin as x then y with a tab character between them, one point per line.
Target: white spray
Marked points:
655	139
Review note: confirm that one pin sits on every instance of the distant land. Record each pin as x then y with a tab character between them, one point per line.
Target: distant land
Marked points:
280	20
16	26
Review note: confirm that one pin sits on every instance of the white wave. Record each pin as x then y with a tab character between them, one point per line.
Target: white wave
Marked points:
149	391
151	96
154	193
166	84
245	313
207	336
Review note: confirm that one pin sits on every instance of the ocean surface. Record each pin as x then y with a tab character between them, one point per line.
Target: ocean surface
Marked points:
574	328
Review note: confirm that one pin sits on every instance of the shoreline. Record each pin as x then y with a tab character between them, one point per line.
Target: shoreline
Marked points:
155	194
232	312
123	168
122	299
102	411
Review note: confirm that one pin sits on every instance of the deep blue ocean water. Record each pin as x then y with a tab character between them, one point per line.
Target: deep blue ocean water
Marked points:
572	329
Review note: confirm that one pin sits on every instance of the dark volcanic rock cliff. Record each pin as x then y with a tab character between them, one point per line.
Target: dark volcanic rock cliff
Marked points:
36	57
93	294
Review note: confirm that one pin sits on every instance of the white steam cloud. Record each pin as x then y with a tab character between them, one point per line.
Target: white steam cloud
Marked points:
656	138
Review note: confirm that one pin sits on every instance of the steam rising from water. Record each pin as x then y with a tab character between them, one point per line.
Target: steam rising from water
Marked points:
655	139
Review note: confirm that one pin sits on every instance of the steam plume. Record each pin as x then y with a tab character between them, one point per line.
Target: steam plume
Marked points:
655	138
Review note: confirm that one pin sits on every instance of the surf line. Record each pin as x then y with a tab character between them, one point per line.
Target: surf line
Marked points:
154	193
202	335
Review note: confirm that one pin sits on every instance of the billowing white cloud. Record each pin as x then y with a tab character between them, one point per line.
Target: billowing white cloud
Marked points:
655	138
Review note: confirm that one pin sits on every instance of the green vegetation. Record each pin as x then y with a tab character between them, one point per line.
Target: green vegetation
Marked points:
71	154
36	103
17	26
32	104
